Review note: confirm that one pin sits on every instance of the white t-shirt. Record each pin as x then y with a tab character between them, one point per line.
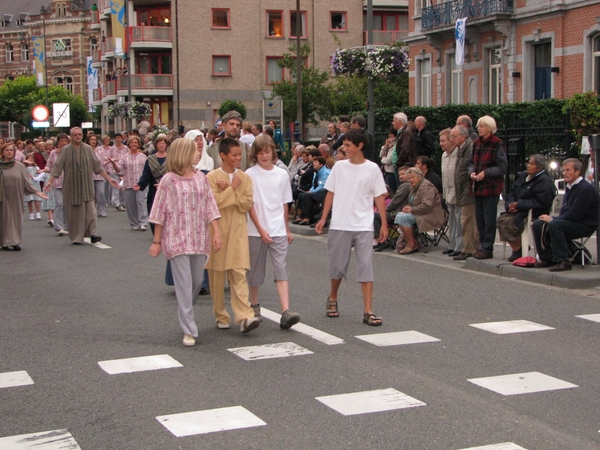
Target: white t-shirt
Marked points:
355	186
272	189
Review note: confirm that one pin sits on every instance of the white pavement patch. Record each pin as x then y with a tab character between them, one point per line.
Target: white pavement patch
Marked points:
209	421
45	440
397	338
511	326
319	335
522	383
98	244
592	317
140	364
13	379
503	446
369	401
268	351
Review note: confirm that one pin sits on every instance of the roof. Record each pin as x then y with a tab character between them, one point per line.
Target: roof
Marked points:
18	8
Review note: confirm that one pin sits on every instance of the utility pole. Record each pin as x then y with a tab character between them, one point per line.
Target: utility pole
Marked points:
42	12
299	71
370	81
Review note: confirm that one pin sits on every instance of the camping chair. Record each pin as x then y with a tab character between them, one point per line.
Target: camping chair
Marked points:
427	240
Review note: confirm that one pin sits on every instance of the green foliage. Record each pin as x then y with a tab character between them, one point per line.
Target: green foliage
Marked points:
585	114
19	96
232	105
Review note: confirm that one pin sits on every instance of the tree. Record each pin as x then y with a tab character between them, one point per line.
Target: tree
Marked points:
232	105
19	96
585	114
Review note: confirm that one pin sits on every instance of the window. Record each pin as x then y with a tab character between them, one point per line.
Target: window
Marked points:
274	24
303	32
153	16
61	9
10	56
425	78
221	66
24	52
93	44
543	79
220	18
61	45
65	82
596	64
155	63
338	21
274	72
495	76
455	81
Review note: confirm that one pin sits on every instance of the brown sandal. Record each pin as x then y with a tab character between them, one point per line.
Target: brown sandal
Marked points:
372	320
332	308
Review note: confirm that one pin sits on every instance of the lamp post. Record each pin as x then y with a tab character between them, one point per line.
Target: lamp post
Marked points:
370	81
298	72
42	12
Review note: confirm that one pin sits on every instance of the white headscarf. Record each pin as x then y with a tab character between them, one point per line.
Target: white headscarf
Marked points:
206	162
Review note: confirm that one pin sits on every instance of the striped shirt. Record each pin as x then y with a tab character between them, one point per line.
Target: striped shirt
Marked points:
58	182
101	154
132	166
117	155
108	152
184	207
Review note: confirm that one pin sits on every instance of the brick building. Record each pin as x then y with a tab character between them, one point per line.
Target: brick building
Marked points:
515	50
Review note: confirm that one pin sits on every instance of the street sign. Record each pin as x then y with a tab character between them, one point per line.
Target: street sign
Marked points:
35	124
40	113
87	125
62	116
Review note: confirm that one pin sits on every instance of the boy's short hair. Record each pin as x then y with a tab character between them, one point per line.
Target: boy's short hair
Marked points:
357	136
226	144
313	151
262	143
60	136
426	161
320	159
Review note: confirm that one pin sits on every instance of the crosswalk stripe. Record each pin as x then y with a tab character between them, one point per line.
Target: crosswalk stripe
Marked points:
45	440
13	379
314	333
97	245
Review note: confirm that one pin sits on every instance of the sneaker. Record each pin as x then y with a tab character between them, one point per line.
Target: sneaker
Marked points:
135	228
31	217
120	208
63	232
51	223
38	216
204	291
256	309
288	320
249	324
222	326
188	340
103	215
95	239
143	228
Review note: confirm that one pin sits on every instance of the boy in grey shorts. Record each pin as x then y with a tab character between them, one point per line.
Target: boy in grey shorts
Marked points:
353	185
268	229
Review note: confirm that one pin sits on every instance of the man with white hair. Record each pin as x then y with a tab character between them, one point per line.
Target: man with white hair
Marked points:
406	147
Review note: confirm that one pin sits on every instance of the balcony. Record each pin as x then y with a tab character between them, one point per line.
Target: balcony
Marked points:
109	90
446	14
151	37
385	37
145	84
108	49
96	58
97	97
104	9
95	25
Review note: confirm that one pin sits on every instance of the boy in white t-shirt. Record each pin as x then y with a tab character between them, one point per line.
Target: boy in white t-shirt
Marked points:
352	187
268	229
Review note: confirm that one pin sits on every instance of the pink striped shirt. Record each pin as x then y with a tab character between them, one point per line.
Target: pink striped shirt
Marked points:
118	153
132	167
58	182
108	152
184	207
19	156
101	153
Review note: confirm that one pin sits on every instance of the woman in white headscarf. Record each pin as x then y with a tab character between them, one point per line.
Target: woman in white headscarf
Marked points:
206	163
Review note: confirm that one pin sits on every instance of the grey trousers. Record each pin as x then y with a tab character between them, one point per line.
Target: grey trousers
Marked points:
117	196
188	273
137	211
454	228
101	205
60	221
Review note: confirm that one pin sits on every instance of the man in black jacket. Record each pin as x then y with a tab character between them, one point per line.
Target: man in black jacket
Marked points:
424	139
579	217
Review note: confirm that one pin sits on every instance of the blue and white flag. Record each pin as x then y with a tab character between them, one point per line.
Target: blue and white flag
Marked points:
460	31
92	79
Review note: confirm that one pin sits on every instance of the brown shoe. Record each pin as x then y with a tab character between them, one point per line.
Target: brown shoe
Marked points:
463	256
543	264
408	250
483	254
561	266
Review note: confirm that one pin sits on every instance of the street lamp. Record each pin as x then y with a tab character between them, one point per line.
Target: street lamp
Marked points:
43	11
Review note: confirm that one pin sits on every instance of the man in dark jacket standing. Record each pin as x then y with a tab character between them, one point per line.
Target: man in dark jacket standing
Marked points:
425	141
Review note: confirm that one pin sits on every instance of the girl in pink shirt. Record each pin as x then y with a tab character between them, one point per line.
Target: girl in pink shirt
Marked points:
183	209
132	166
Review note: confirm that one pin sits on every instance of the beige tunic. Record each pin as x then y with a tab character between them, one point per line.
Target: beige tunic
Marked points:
16	184
233	206
81	219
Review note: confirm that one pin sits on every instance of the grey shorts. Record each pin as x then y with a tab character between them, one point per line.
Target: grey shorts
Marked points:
339	246
258	259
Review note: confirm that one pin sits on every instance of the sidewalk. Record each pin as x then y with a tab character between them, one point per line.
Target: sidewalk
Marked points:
577	278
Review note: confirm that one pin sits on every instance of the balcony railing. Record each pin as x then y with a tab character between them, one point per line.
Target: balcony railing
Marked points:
447	13
97	55
95	16
97	95
108	45
151	34
145	81
110	88
385	37
103	4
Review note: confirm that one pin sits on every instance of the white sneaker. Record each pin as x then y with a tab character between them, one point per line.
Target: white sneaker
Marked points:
143	228
249	324
38	216
188	340
63	232
31	217
50	223
222	326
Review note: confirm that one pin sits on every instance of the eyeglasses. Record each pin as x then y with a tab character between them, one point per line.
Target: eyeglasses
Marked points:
452	136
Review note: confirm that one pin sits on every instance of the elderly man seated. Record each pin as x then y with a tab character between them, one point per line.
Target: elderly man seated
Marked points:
532	190
578	218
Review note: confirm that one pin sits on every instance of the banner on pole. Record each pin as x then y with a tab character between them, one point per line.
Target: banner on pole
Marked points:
460	32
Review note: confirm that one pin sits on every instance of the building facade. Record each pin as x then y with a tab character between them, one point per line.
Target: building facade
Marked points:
515	50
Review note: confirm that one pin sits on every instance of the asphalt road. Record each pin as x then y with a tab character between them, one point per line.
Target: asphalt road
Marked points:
65	308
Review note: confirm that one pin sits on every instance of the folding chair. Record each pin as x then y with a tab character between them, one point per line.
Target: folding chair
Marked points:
426	240
578	245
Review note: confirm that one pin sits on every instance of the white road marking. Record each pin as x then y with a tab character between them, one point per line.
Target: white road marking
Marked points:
209	421
592	317
511	326
13	379
522	383
503	446
397	338
319	335
269	351
140	364
45	440
98	244
369	401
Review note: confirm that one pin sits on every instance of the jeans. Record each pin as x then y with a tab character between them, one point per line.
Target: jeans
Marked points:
486	210
559	231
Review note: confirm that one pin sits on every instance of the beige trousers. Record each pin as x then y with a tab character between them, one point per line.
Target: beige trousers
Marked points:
238	288
469	229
